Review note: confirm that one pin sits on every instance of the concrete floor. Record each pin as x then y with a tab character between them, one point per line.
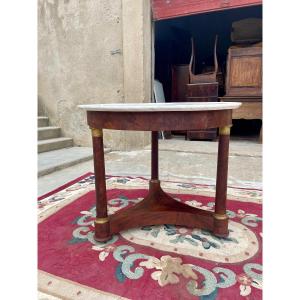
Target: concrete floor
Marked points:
52	161
187	161
49	162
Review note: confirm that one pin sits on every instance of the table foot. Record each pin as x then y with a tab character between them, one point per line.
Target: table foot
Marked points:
102	240
102	230
220	225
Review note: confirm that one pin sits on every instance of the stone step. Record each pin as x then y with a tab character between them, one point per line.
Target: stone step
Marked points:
43	121
54	144
50	132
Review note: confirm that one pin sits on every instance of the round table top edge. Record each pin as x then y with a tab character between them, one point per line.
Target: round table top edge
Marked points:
161	107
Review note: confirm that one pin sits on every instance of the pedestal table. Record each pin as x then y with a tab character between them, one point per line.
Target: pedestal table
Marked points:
158	207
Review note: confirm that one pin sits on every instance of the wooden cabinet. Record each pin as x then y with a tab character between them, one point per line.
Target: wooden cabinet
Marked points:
183	91
244	71
202	92
180	78
244	81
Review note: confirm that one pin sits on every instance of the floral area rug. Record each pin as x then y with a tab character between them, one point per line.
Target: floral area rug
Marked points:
152	262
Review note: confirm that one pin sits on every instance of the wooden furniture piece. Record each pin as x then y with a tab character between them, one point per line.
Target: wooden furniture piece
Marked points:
202	92
247	31
244	71
158	207
250	110
244	81
180	78
207	76
202	88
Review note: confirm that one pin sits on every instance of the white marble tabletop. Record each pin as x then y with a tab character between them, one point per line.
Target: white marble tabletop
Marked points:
170	106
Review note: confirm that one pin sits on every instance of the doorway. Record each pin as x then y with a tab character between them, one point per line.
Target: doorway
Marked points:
172	46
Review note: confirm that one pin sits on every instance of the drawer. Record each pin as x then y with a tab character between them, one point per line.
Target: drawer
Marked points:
202	90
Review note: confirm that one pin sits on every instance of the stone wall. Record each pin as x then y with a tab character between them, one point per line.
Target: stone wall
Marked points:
93	52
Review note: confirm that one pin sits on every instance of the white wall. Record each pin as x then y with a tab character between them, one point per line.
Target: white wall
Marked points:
76	64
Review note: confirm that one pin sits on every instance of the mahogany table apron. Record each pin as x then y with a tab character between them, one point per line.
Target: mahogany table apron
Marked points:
158	207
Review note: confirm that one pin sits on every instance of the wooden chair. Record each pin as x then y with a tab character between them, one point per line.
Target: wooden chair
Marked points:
207	77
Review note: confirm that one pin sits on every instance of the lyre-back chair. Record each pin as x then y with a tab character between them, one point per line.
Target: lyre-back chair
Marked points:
206	77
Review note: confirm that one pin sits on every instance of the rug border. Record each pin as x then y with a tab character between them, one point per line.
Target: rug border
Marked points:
71	286
130	176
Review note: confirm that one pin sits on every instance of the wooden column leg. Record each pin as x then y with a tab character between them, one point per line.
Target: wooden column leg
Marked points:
154	156
154	184
101	222
220	217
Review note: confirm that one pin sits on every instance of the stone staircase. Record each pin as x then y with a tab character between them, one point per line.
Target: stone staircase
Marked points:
56	152
49	137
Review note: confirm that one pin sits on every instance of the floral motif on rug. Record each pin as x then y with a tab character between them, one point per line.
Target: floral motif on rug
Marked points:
153	262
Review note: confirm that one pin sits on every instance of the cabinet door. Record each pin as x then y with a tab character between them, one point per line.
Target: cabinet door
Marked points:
244	72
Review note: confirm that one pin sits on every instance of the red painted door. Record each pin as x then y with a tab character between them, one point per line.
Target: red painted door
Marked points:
165	9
